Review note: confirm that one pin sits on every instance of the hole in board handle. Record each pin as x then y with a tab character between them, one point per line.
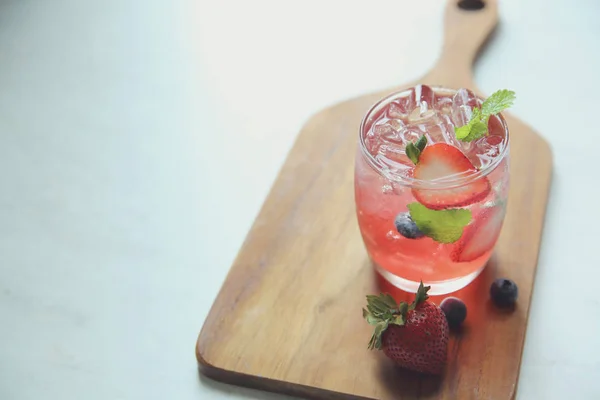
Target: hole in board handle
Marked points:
471	5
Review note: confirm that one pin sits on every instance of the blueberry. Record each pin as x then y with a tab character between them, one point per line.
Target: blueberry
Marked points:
455	310
407	227
504	292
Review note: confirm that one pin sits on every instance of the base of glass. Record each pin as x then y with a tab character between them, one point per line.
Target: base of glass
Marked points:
437	288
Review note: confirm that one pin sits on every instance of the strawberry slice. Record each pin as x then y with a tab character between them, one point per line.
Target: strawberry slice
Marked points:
442	160
480	236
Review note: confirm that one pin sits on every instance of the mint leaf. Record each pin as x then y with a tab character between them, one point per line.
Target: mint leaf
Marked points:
413	153
421	143
474	129
498	102
464	131
443	226
477	129
477	126
413	150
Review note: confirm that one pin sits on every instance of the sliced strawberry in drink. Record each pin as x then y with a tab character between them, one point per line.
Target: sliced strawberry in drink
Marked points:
442	160
480	236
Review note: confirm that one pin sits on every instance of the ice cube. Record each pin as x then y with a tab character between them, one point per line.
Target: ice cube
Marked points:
396	124
461	115
391	153
465	97
481	152
388	131
392	150
410	134
489	145
446	129
420	97
495	126
393	168
394	133
401	106
418	116
424	97
372	142
384	129
398	110
444	104
483	160
394	153
436	126
462	106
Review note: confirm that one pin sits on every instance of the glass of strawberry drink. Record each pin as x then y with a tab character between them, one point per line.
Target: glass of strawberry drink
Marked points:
431	183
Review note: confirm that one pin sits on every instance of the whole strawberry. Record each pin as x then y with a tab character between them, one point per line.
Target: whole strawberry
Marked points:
415	336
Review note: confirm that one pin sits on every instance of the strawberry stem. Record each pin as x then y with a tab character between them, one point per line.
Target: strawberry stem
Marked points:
420	296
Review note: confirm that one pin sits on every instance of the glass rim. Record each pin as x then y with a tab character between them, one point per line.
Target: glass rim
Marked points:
411	182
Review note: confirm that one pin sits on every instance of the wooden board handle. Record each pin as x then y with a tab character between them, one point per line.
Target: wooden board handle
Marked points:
465	32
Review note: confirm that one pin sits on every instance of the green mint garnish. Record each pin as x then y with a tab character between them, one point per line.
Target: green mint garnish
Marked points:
443	226
498	102
477	126
474	129
421	143
413	150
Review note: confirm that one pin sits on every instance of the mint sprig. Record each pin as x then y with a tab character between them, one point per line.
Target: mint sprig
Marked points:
443	226
414	150
477	126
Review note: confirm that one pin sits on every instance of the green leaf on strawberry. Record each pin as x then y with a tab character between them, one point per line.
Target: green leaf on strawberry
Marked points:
380	327
420	297
389	301
403	308
380	305
398	320
371	319
383	310
414	336
443	226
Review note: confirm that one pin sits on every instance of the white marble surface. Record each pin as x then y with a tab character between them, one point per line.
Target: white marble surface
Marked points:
138	140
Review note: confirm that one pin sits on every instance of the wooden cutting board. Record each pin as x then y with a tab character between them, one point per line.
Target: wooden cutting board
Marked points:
288	317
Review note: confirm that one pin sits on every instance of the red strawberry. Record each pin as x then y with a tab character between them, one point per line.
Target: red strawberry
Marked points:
414	336
441	160
480	236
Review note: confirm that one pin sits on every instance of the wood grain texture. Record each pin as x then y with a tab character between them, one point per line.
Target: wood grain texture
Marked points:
288	317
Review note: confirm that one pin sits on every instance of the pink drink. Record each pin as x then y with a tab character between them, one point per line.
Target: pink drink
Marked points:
384	186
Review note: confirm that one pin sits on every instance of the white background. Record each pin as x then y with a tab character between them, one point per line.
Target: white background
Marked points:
138	140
